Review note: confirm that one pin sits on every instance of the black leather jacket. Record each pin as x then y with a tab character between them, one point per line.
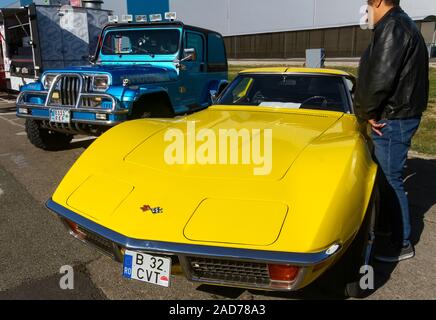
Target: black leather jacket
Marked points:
393	80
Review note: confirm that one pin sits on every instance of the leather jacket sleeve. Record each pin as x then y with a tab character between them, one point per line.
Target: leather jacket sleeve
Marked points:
380	69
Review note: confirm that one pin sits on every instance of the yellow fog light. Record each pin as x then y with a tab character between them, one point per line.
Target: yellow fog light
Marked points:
56	95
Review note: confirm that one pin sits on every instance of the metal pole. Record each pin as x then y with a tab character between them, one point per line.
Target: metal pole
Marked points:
21	25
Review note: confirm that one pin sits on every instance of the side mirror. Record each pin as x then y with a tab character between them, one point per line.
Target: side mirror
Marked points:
189	55
351	84
215	95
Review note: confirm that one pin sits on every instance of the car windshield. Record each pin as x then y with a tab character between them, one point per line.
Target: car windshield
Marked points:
141	41
291	91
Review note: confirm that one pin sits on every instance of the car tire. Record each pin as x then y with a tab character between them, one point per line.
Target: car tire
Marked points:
152	106
343	280
46	139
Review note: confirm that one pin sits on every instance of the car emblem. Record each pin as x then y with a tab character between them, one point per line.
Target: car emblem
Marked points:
146	208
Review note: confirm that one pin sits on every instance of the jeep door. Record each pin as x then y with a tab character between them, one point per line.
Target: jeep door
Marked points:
194	73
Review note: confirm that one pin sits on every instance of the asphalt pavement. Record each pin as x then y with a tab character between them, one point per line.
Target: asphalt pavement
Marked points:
34	245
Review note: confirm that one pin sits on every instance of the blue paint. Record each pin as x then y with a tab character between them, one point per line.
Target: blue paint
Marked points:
7	3
188	87
148	6
26	2
128	265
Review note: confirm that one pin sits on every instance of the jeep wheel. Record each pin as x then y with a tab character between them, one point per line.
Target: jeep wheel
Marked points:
152	106
46	139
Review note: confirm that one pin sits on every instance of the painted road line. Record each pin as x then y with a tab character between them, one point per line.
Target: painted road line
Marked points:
7	101
12	122
8	113
83	139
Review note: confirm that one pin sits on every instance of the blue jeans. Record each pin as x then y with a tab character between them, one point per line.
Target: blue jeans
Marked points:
391	152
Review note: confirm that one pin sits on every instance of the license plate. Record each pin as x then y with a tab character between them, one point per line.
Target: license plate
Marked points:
147	268
60	116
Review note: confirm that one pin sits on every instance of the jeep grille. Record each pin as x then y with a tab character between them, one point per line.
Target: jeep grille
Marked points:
69	88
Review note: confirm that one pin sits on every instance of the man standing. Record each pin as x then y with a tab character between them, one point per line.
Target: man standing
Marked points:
391	95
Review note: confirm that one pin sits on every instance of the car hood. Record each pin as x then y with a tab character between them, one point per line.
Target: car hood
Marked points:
124	183
290	134
137	74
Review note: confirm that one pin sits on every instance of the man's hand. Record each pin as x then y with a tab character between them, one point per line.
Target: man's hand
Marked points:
376	127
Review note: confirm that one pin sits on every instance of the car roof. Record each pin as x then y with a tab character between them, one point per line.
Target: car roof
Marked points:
299	70
161	24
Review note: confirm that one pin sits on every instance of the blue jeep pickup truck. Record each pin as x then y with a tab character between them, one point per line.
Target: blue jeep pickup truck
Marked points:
140	70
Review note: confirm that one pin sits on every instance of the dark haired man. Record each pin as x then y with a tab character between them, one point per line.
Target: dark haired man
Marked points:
392	94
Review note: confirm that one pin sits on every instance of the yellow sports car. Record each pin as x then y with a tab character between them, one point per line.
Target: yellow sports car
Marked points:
269	188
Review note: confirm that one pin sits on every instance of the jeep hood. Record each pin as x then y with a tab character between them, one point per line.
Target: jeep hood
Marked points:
136	73
124	174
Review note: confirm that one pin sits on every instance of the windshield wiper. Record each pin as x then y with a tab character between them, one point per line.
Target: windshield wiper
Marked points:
111	50
144	51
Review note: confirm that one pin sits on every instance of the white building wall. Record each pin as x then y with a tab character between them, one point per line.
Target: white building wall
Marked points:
119	7
238	17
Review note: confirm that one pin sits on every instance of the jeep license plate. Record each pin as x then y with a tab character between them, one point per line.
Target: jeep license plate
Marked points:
60	116
147	268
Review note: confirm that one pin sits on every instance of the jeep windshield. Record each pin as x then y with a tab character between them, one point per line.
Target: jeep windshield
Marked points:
141	42
290	91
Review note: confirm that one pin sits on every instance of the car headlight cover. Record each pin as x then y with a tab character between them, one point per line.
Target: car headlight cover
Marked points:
101	83
48	81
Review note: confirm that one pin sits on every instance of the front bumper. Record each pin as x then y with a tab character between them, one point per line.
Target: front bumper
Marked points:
37	104
246	268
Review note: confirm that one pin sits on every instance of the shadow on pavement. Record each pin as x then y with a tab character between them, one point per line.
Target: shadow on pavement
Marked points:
420	176
421	187
8	109
81	144
49	289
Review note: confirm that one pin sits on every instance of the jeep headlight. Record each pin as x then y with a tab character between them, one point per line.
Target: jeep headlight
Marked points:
48	81
101	83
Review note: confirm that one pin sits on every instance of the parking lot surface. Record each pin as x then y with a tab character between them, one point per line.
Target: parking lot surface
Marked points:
34	245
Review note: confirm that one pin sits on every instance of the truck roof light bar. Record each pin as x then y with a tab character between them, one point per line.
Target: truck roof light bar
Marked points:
113	19
155	17
170	16
141	18
127	18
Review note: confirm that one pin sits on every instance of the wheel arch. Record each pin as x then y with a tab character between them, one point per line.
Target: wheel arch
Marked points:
156	101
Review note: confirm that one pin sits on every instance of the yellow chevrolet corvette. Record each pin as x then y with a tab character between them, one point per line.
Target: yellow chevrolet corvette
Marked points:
271	188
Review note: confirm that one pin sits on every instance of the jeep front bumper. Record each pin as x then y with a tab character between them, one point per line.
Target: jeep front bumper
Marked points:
37	104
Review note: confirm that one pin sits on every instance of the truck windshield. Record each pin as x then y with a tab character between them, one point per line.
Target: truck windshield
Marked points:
141	41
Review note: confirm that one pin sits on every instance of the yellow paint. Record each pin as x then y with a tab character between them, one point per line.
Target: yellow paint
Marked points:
237	221
298	70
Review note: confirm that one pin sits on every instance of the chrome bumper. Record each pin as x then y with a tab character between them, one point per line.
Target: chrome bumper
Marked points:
186	253
46	96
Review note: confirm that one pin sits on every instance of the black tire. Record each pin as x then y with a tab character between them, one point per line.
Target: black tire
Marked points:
46	139
343	280
152	106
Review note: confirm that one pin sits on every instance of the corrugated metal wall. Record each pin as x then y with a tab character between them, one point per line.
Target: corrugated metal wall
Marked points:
338	42
242	17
